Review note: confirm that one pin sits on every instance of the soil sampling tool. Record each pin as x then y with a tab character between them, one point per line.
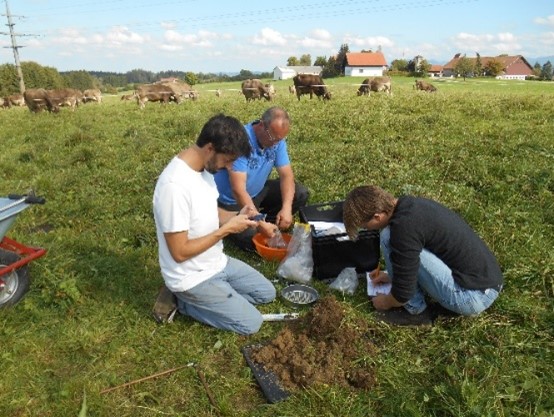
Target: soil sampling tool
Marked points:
14	256
267	380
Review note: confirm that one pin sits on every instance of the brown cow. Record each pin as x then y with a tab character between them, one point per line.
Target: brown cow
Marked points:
310	84
5	103
37	100
375	84
255	89
292	90
425	86
92	94
64	97
155	92
16	100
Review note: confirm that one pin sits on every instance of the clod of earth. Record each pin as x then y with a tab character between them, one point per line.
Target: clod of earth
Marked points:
322	348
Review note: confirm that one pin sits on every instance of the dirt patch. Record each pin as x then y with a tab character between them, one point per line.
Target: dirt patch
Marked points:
322	348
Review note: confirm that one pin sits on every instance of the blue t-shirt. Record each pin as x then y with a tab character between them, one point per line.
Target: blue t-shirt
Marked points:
257	166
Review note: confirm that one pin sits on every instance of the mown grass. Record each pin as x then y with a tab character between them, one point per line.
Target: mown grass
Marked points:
484	148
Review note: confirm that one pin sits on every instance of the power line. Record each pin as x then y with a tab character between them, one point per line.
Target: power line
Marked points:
15	47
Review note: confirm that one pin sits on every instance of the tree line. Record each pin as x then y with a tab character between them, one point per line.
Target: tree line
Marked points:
38	76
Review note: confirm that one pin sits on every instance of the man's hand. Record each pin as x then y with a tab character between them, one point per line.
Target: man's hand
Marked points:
284	219
239	223
385	302
267	229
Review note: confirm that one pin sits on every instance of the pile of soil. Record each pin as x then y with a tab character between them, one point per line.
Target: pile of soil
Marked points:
322	348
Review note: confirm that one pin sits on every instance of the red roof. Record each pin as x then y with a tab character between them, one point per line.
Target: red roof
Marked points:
436	68
514	61
365	59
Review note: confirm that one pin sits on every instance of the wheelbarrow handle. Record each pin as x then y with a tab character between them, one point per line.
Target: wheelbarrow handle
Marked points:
29	199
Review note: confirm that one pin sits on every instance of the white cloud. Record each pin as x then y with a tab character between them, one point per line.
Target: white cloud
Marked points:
175	40
500	43
318	38
70	36
269	37
371	42
549	20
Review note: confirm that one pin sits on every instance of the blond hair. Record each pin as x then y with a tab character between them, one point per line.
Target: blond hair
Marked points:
361	204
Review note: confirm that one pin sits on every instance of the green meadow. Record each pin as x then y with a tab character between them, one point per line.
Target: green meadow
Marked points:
485	148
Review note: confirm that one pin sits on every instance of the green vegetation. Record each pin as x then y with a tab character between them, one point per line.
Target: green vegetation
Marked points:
484	148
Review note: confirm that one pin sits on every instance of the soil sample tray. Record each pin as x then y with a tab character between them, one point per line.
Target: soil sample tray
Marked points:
267	380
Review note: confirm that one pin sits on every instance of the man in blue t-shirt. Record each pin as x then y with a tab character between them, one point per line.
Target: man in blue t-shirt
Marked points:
247	181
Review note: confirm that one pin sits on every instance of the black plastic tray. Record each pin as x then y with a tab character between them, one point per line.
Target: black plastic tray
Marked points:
267	380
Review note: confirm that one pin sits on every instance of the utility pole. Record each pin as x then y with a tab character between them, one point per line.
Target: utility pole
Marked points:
15	48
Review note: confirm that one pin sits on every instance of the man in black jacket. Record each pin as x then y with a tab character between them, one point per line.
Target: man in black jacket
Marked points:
428	250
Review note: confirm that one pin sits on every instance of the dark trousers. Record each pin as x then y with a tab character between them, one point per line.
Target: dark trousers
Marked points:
269	202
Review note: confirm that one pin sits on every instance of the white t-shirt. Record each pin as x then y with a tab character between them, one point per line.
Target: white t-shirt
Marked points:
186	200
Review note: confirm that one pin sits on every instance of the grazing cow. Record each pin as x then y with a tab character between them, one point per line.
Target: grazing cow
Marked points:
292	90
5	103
93	94
310	84
375	84
128	96
271	91
255	89
181	90
64	97
425	86
16	100
155	92
218	93
37	100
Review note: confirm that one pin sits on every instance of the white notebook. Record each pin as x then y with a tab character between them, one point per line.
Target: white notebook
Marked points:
374	289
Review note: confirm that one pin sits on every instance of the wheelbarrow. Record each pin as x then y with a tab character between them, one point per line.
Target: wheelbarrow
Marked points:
14	256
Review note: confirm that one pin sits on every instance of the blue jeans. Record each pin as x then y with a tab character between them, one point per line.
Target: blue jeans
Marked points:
225	301
435	279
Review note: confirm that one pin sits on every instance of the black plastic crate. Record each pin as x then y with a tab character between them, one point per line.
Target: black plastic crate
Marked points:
331	254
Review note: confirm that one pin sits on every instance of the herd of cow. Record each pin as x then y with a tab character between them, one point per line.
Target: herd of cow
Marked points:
39	99
314	85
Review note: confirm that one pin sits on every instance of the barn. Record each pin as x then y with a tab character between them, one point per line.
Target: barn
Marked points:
365	64
515	67
288	72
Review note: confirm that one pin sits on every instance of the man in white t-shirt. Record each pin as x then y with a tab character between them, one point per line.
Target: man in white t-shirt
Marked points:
210	286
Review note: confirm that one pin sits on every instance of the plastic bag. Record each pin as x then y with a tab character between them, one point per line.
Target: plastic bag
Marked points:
347	281
277	241
298	264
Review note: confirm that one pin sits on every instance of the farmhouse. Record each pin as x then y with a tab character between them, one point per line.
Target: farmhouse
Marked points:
514	67
367	64
435	70
287	72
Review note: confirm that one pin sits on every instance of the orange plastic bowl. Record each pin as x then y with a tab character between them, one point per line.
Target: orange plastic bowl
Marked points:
268	253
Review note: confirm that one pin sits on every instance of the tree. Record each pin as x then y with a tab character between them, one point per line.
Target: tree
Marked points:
81	80
330	68
399	65
478	65
37	76
340	60
537	69
191	78
494	67
306	60
140	76
320	61
464	67
292	61
546	71
9	82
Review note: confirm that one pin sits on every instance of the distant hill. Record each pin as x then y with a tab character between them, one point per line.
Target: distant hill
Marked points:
541	60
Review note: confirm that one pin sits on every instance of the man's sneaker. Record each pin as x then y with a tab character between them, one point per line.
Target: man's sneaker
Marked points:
165	306
400	317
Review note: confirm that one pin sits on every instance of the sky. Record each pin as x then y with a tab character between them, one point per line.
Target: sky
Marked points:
228	36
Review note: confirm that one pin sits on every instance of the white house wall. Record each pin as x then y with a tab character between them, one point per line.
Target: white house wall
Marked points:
363	71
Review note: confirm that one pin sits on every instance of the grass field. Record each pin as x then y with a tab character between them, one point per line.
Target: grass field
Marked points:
483	147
